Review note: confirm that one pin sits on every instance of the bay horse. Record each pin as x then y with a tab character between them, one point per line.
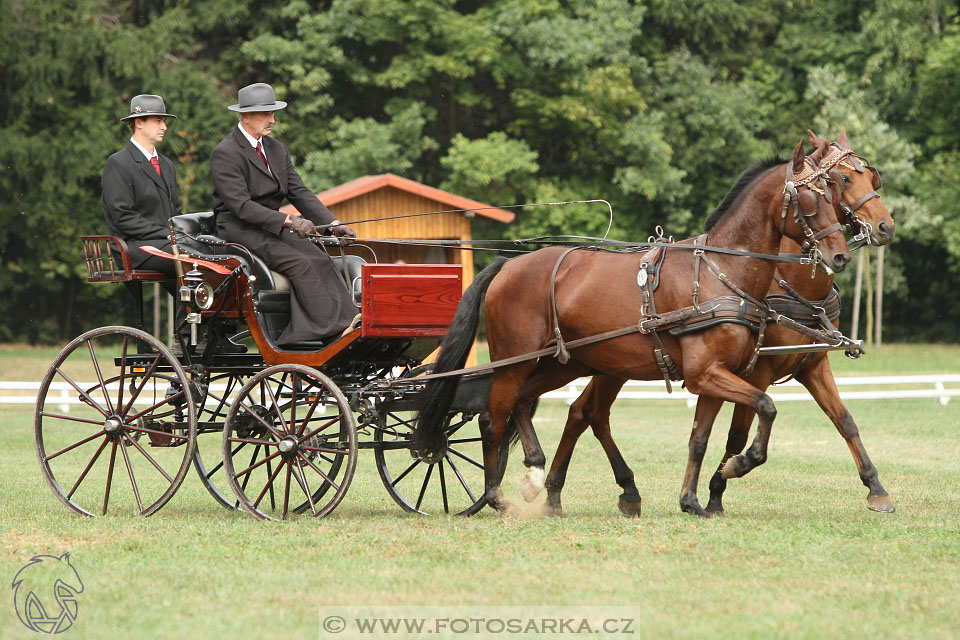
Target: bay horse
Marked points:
865	214
556	294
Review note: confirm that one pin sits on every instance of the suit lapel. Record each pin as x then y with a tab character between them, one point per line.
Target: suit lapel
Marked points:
251	154
146	167
278	163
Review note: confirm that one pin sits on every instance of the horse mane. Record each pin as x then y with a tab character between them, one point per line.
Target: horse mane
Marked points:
745	179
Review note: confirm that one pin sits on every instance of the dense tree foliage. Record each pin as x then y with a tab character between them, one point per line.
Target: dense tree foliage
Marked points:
655	106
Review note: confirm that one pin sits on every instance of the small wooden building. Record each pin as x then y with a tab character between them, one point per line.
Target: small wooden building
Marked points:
388	195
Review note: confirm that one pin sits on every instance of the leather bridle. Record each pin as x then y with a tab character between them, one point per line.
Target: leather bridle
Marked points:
817	180
861	230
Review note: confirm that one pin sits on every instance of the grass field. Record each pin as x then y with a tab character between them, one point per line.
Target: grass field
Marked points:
798	554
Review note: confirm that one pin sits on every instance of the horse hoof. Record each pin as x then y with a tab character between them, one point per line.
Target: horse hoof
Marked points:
715	511
694	508
630	508
883	504
554	510
532	484
731	469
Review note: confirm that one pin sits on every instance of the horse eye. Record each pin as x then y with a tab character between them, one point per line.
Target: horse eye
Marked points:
846	179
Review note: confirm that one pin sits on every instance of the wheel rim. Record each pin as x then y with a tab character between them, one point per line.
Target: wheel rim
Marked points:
290	443
115	424
452	485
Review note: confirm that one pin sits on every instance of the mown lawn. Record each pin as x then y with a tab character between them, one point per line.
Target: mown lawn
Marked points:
798	554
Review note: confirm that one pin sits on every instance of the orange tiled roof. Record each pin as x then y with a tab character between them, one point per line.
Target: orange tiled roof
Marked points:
366	184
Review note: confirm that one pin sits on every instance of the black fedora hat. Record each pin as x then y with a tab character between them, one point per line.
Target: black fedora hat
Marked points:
147	105
257	97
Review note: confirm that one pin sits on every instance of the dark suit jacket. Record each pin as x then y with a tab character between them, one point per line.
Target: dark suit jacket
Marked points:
136	201
247	197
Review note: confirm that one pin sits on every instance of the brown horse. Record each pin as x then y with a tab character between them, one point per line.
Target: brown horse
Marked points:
556	293
864	209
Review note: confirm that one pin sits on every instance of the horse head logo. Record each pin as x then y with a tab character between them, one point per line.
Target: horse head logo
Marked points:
45	593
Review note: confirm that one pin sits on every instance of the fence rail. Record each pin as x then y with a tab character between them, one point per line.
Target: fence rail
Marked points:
884	388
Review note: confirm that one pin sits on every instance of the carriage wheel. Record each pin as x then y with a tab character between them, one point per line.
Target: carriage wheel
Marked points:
115	422
453	484
218	394
290	443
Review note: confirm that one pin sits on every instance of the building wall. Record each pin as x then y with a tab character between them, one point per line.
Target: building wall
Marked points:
390	201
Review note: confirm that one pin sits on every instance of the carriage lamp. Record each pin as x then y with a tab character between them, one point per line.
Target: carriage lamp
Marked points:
198	295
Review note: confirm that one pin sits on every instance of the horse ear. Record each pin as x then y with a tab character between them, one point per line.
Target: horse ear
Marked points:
814	139
798	156
843	141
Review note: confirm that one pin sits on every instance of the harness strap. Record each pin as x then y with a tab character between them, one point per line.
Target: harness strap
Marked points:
562	355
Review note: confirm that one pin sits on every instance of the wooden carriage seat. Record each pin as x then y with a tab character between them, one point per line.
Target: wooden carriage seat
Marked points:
273	289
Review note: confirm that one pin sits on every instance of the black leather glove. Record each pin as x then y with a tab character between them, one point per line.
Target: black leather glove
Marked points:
343	231
302	227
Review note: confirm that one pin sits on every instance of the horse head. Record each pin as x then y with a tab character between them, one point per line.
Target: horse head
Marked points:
812	194
865	214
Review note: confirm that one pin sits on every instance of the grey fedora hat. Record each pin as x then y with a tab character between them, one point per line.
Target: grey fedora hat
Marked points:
257	97
147	105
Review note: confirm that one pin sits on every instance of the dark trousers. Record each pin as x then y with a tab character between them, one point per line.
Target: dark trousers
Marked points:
320	305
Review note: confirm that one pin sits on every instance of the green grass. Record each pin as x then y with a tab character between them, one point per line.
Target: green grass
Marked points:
798	555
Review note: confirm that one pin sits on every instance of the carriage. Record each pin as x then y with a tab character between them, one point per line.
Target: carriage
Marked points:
275	431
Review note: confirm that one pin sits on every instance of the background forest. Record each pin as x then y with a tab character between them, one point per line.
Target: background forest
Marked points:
656	106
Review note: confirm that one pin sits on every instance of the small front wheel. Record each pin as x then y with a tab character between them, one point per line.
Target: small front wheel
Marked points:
290	443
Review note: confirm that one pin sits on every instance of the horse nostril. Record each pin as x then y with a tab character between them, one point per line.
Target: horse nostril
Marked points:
840	261
885	230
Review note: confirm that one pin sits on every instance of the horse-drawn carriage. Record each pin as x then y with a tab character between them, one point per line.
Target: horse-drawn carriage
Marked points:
277	431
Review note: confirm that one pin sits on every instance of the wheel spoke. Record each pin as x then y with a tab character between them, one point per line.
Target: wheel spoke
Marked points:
325	477
423	488
106	491
467	458
443	488
148	457
276	406
74	445
252	466
302	481
403	475
123	368
136	392
133	482
158	404
269	427
96	368
321	427
84	394
88	467
165	434
60	416
273	498
253	457
269	485
463	482
309	416
286	491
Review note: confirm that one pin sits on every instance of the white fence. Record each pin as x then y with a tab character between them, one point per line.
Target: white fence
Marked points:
882	388
889	388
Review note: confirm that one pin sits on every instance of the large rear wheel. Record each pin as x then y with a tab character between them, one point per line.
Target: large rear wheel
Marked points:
290	443
115	423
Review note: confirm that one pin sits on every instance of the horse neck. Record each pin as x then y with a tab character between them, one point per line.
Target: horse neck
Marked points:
751	224
798	275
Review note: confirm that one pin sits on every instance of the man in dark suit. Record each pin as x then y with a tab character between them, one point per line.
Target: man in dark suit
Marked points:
252	175
140	187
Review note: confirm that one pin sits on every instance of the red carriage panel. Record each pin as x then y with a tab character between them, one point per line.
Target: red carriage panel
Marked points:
410	300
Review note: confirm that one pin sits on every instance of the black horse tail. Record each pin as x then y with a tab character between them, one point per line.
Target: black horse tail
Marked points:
428	436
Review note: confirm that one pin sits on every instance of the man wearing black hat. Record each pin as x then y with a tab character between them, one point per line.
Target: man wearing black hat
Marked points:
140	187
252	175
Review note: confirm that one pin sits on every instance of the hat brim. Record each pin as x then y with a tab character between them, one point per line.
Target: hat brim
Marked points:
253	108
146	115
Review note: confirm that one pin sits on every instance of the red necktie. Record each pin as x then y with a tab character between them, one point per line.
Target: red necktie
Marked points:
156	164
260	152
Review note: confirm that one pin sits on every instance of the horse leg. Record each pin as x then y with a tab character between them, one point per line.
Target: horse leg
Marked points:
818	379
718	382
707	409
736	441
592	408
533	458
606	392
503	396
